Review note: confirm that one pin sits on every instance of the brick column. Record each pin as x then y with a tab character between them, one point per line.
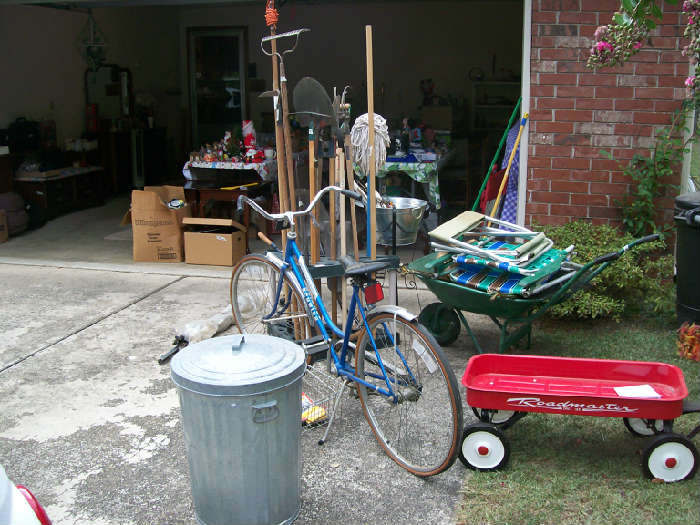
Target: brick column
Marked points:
576	112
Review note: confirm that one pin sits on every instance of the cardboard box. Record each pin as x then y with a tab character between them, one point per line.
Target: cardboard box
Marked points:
157	229
218	242
4	235
437	117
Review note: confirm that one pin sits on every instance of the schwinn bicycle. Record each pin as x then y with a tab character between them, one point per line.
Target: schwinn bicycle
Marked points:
409	394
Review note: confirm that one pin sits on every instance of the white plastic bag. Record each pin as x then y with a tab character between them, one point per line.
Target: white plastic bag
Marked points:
202	329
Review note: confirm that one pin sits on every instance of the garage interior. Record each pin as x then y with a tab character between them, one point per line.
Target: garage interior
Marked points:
115	84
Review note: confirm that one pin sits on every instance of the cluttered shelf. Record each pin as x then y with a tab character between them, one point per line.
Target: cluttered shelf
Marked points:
63	190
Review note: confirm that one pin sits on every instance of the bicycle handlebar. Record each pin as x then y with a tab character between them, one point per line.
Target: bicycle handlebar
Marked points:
289	215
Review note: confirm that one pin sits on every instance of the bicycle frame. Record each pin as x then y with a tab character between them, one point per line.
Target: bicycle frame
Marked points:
294	262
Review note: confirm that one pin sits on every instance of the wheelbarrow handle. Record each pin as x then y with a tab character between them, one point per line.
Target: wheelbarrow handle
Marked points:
588	271
613	256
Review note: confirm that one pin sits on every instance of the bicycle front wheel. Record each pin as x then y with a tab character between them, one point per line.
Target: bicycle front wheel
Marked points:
253	290
421	430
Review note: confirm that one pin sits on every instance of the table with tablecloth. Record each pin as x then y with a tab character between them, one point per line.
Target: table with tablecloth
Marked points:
266	170
420	167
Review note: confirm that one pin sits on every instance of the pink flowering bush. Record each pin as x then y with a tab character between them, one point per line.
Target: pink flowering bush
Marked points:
692	33
616	42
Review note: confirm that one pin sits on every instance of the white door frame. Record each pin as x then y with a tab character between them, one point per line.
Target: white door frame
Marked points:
524	108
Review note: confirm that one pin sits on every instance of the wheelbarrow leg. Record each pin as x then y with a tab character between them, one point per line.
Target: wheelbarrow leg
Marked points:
511	339
464	322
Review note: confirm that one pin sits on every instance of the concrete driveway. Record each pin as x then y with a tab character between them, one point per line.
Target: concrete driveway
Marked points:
91	422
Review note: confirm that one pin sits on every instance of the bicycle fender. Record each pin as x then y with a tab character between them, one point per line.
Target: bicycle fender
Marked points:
398	311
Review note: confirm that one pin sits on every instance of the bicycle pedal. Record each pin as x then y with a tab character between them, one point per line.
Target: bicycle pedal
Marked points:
315	349
310	341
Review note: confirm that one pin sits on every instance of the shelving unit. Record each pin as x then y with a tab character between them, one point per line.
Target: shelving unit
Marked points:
491	104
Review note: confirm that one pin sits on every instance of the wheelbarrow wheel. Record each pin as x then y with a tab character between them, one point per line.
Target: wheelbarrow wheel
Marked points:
643	427
484	447
670	457
442	321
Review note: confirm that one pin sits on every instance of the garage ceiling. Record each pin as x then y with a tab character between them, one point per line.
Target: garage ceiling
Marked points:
126	3
123	3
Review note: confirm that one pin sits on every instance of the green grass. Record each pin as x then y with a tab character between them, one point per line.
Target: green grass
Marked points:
575	469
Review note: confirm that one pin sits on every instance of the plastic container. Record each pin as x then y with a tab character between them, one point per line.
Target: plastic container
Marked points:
687	219
240	400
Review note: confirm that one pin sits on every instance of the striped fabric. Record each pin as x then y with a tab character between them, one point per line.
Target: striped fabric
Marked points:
547	263
488	280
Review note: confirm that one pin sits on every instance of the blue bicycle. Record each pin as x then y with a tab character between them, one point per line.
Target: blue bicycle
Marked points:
409	394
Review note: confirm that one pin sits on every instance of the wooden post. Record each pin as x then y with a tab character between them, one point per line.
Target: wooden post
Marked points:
340	166
371	180
289	151
351	186
279	133
314	241
331	212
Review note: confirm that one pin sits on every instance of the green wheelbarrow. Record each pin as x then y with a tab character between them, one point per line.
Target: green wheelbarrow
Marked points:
513	314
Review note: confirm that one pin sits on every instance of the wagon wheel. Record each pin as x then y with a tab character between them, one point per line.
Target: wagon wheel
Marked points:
501	418
670	457
442	321
484	447
644	427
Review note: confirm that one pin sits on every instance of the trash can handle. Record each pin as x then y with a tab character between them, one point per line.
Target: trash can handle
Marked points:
689	216
265	412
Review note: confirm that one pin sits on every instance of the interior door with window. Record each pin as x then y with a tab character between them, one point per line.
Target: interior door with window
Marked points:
217	69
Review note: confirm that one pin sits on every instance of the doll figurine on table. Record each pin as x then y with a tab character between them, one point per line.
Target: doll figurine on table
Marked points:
405	135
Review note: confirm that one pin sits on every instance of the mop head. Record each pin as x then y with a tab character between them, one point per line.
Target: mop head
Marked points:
359	137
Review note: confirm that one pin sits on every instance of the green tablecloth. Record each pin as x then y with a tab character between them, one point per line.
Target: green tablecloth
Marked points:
424	172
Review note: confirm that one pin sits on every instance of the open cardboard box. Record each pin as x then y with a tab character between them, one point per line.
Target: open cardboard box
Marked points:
220	242
157	228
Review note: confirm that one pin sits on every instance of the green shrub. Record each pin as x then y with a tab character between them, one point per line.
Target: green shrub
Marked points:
638	282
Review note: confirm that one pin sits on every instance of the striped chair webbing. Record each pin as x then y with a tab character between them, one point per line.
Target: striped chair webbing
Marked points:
488	280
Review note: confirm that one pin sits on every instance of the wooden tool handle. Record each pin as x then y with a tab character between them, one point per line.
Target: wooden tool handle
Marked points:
371	180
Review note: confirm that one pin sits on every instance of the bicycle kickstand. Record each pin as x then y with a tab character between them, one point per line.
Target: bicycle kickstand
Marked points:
335	408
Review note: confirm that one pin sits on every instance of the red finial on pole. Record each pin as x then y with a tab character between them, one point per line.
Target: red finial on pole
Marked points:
271	14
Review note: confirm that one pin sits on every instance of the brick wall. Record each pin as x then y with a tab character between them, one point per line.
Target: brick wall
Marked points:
575	112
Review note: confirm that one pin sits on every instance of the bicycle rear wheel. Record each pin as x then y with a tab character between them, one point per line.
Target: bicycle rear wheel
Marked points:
253	288
422	431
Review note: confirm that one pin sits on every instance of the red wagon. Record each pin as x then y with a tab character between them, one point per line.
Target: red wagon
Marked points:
648	396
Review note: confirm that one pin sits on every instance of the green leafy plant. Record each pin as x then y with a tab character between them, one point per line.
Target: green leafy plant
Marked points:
639	281
652	173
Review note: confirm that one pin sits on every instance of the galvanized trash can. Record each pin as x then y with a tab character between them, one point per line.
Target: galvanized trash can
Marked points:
240	401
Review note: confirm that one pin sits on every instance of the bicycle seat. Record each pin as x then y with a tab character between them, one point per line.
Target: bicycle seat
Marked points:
354	268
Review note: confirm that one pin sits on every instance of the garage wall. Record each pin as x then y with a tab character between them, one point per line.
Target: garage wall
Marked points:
42	71
412	41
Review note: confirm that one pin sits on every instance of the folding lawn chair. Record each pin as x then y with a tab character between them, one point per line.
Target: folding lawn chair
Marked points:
471	233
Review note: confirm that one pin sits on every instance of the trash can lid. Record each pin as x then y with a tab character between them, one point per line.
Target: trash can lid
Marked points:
688	201
238	365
